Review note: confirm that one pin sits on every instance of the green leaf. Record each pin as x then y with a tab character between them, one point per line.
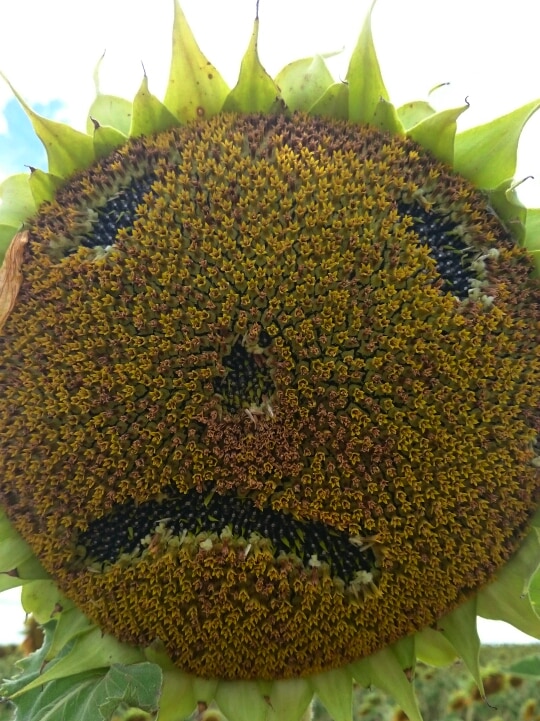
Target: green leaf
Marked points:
106	139
178	698
334	688
27	571
32	570
385	669
459	627
108	110
529	666
487	154
437	133
507	598
43	600
67	149
87	652
505	202
17	200
70	623
13	552
149	113
242	701
7	232
413	113
93	696
532	235
195	88
288	699
303	82
334	103
366	86
43	186
255	91
386	118
433	648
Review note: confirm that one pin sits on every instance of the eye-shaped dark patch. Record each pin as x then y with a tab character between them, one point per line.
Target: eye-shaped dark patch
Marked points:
451	254
123	530
117	212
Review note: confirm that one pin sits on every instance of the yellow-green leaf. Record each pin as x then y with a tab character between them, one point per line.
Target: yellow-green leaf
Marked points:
437	133
532	234
507	598
195	88
43	600
413	113
242	701
459	627
7	233
366	86
303	82
433	648
17	201
43	186
255	91
386	118
288	699
505	202
149	113
67	149
334	103
389	670
334	688
108	110
486	154
106	139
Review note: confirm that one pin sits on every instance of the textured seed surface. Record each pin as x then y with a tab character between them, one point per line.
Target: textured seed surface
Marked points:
270	393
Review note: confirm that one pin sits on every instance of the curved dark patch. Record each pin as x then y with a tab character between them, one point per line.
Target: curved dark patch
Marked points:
451	254
127	525
118	212
247	381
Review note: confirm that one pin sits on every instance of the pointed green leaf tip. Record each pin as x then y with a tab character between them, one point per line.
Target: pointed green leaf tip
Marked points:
459	627
149	113
532	235
437	133
255	91
486	155
391	670
334	688
68	150
195	88
108	110
505	202
366	86
43	186
106	139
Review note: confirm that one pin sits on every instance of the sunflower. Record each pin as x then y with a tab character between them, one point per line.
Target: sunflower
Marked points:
269	393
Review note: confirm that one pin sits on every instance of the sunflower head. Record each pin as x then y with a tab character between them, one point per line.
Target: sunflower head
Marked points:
269	391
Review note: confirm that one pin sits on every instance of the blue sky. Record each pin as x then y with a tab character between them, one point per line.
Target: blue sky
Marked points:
487	51
19	146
